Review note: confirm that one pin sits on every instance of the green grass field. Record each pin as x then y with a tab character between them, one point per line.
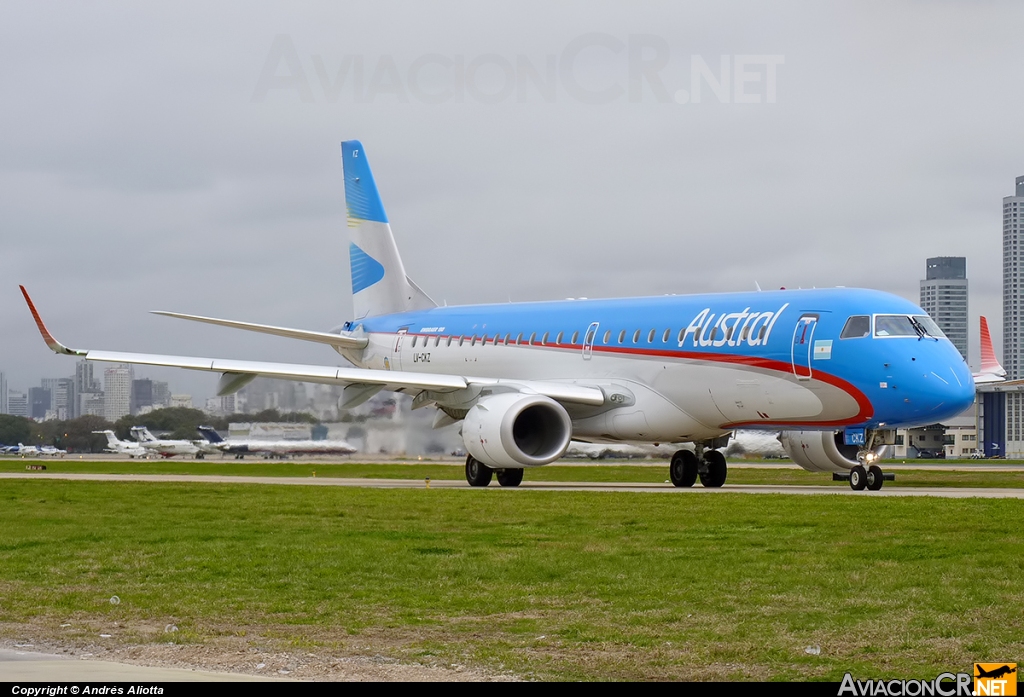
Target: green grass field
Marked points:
553	585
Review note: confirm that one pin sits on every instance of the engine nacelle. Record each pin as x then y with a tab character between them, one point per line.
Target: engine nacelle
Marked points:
820	451
516	430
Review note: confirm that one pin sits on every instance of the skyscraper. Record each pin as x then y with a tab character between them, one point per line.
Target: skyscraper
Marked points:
944	297
1013	282
117	392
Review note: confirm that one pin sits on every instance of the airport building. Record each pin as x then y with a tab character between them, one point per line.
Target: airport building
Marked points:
944	297
3	393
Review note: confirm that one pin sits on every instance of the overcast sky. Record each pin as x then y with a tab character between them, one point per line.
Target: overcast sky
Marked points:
186	157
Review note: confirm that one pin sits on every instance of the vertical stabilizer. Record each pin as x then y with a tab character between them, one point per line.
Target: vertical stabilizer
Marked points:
379	283
991	370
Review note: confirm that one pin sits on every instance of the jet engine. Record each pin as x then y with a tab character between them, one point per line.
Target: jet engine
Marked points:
820	451
516	430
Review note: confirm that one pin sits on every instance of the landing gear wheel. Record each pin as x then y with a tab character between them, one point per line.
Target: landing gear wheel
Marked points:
858	478
682	470
875	478
510	477
716	470
477	473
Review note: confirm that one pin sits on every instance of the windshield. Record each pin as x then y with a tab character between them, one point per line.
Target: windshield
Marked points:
894	325
929	325
901	325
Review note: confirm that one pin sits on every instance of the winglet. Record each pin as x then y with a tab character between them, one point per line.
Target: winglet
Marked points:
54	345
991	370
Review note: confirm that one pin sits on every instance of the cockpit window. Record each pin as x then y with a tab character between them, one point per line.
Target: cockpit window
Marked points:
894	325
856	327
929	325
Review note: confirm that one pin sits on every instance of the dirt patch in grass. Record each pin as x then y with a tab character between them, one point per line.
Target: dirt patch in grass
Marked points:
267	652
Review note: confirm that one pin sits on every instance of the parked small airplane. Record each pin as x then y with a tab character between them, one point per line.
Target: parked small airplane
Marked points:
165	448
836	370
273	448
123	447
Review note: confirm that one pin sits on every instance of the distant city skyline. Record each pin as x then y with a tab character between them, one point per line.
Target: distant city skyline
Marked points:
944	296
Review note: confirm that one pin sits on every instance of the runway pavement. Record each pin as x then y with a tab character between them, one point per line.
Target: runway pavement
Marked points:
888	490
26	666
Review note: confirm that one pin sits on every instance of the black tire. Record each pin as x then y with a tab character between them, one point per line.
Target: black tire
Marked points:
682	470
716	470
875	478
858	478
510	477
477	473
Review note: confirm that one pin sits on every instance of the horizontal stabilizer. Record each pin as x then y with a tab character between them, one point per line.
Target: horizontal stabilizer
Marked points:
337	340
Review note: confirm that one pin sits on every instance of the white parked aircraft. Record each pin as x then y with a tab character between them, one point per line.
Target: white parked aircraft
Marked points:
836	370
273	448
165	448
123	447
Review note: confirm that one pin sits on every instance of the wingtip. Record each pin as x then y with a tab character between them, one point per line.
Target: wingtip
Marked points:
52	343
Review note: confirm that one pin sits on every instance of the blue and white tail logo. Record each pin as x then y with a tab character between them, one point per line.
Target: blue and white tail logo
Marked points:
379	283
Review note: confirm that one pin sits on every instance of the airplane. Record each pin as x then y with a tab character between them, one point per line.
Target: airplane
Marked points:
836	370
994	673
52	451
122	447
166	448
273	448
28	451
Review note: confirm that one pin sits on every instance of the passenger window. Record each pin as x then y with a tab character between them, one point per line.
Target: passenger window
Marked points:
558	339
450	340
519	339
607	336
682	333
622	336
575	337
544	339
650	337
664	337
856	327
506	338
636	336
533	338
414	341
461	340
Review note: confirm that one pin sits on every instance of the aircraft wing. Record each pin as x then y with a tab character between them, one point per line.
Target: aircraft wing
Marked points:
236	373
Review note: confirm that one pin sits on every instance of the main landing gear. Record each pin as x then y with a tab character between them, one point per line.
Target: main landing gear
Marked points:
870	478
479	474
686	467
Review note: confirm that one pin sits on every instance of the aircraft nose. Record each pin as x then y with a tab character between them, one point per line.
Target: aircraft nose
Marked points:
947	390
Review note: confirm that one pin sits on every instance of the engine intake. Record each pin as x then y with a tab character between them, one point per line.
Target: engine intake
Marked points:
516	430
820	451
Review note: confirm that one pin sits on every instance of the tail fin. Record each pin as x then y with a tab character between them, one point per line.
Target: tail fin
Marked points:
991	370
111	438
209	434
142	434
379	283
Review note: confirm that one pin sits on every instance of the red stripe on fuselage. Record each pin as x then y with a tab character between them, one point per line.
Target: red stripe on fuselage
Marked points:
865	408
